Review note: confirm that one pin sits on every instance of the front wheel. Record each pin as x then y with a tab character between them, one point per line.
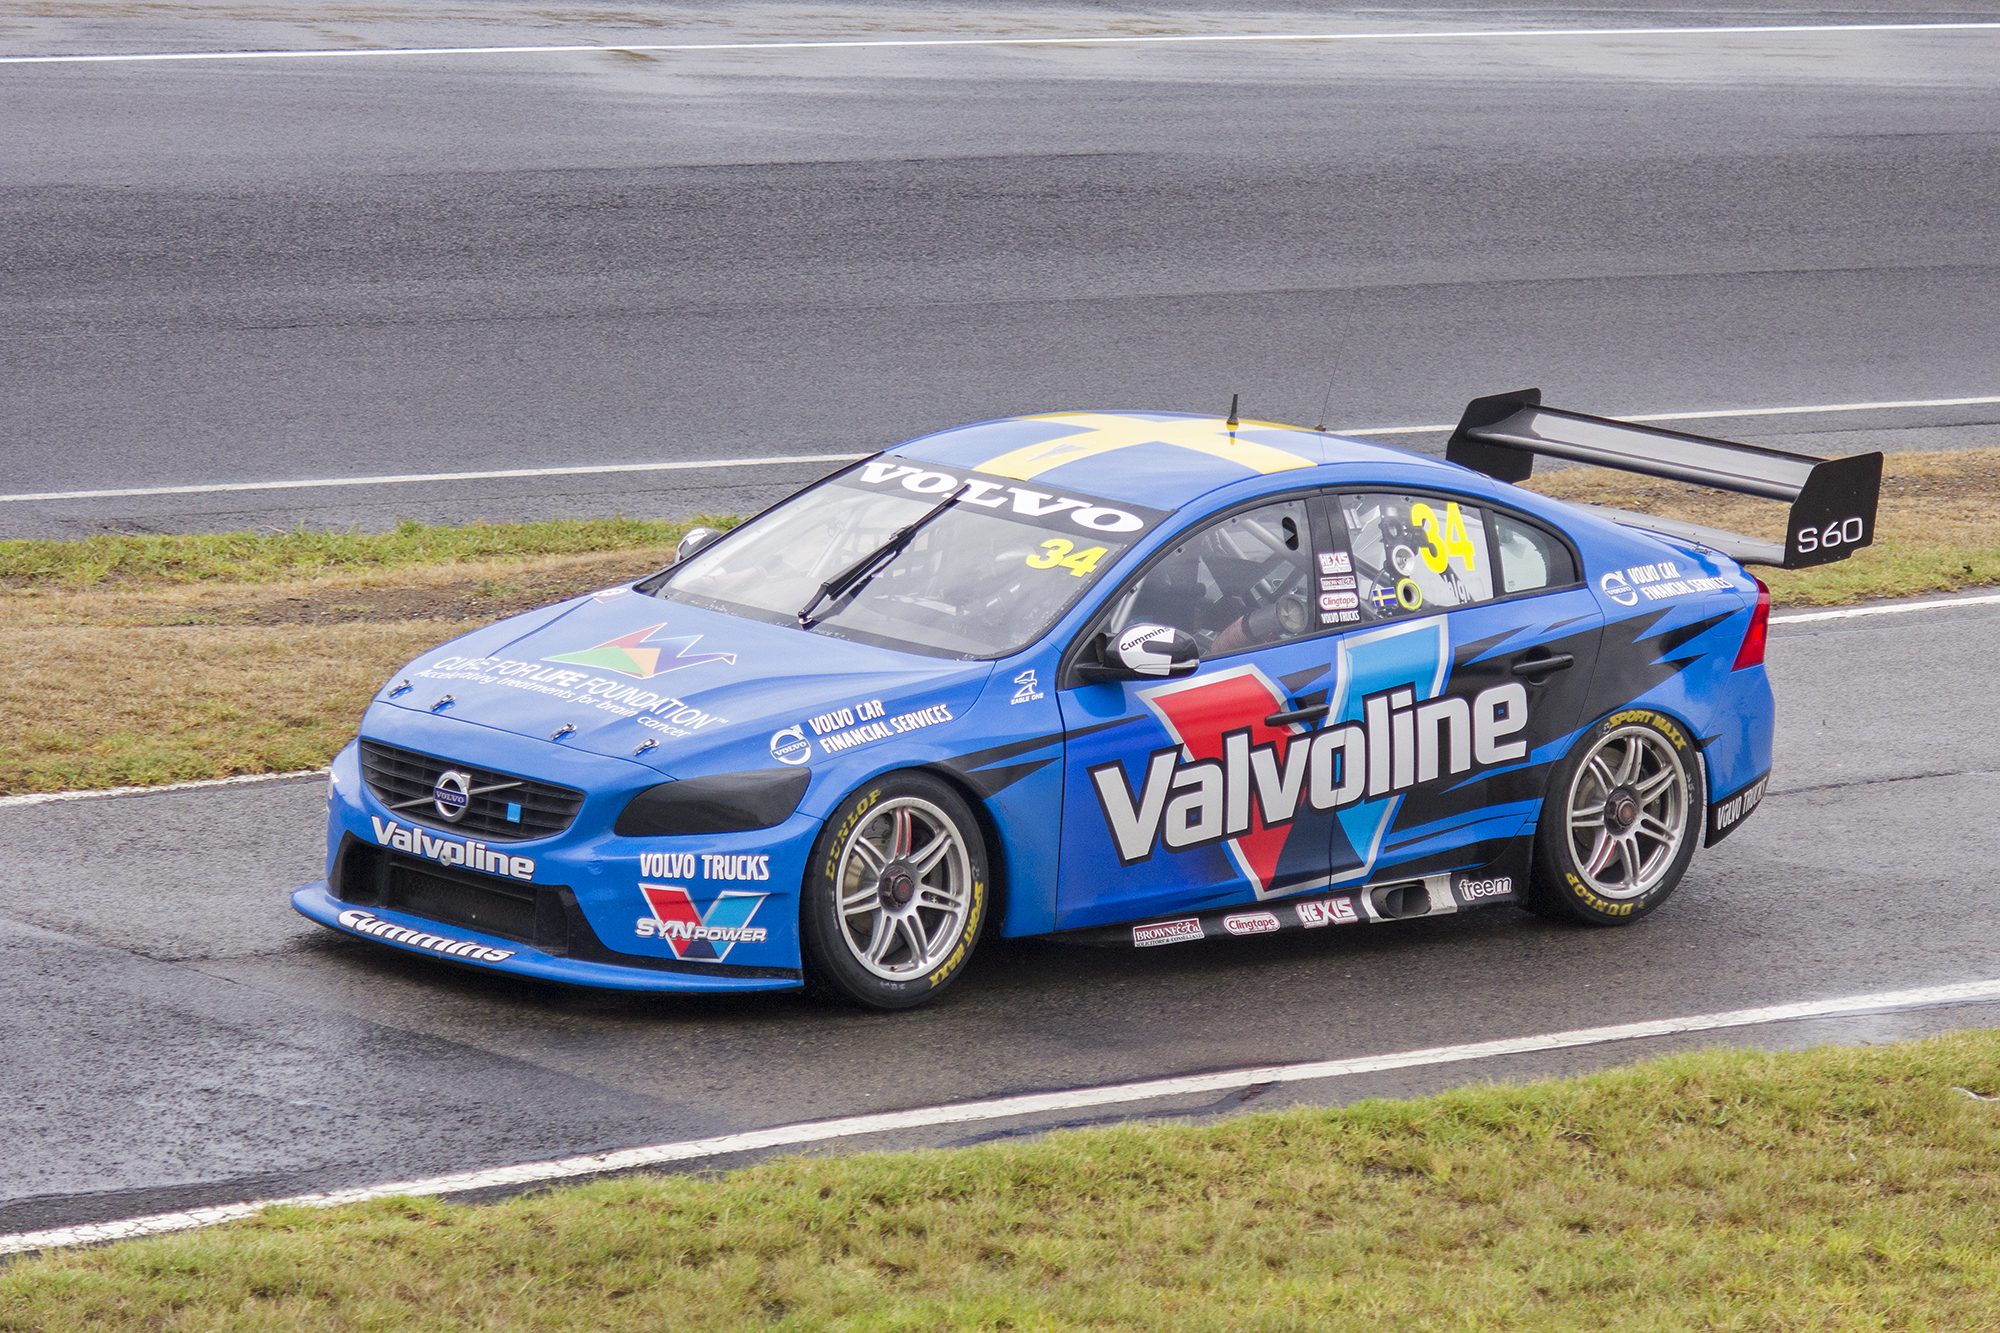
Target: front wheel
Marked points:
895	894
1619	823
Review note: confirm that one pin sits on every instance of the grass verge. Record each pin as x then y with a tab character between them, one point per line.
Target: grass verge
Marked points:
261	557
1825	1189
1937	528
140	660
144	660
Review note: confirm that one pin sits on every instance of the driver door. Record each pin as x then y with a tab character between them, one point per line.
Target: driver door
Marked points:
1157	811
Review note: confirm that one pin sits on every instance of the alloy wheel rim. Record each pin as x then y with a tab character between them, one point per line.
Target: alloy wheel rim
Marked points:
905	889
1627	813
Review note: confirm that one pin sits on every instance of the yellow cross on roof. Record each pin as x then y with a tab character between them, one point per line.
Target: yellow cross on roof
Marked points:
1103	433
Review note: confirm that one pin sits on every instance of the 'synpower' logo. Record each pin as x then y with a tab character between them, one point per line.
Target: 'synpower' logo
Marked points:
700	936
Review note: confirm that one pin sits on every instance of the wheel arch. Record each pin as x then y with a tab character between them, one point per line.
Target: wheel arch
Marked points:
989	830
1679	719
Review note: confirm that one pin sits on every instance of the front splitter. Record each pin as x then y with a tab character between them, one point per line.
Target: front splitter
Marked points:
491	953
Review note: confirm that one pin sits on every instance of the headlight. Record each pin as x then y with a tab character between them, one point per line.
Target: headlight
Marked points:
723	803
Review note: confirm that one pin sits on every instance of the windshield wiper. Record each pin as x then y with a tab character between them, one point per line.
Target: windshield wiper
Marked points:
849	580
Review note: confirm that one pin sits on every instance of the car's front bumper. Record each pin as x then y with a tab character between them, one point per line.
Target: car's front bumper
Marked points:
471	948
709	913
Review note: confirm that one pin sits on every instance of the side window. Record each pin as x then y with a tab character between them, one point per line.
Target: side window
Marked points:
1530	558
1242	582
1416	553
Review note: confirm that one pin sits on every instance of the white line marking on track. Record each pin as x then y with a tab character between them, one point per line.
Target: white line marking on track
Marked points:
705	464
52	797
1004	1108
1162	39
409	478
1888	609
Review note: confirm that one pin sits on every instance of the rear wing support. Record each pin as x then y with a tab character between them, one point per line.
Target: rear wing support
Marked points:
1832	500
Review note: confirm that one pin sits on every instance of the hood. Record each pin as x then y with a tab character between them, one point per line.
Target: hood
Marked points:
620	668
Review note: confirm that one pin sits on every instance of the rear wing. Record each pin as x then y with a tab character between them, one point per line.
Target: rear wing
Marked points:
1833	499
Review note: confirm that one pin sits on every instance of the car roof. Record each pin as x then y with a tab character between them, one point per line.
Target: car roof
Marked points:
1162	460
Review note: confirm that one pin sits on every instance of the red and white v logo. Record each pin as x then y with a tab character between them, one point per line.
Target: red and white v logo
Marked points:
1199	714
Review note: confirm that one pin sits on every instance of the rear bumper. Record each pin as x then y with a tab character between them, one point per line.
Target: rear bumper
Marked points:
493	953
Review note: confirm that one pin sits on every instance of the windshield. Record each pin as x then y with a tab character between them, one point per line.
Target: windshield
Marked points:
982	577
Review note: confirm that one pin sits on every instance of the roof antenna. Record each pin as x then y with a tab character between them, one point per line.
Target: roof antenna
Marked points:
1326	402
1231	423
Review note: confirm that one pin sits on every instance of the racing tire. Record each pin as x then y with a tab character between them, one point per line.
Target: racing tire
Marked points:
895	895
1620	821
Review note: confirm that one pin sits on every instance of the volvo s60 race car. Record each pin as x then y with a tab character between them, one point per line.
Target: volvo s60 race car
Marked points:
1139	677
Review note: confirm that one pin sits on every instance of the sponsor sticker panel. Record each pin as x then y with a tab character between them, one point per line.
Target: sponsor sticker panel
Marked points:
1326	912
1733	811
700	934
722	867
1472	889
1030	504
1245	785
656	710
1657	582
1186	930
465	853
1251	923
864	723
367	923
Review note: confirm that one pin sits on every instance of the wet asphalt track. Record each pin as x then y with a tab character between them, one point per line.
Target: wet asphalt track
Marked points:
176	1036
241	271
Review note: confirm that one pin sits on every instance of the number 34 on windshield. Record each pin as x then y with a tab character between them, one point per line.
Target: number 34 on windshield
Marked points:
1059	554
1453	541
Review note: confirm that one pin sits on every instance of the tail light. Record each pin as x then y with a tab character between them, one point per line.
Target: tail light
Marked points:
1752	652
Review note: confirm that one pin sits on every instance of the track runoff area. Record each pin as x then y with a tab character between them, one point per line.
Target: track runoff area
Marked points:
1065	1103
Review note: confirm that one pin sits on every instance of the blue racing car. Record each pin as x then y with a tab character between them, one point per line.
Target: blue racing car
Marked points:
1140	677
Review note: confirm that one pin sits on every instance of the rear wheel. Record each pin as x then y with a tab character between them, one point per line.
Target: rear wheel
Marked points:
895	894
1619	822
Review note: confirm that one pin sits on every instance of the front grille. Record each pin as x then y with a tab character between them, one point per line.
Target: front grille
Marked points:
372	877
500	806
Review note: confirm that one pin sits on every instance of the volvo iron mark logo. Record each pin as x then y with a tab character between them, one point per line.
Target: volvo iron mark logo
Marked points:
790	746
452	793
1619	589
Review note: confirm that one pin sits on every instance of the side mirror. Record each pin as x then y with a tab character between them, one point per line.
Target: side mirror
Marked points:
1153	652
695	539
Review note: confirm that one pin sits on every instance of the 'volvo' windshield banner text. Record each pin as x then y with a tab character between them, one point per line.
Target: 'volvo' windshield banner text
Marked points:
1029	504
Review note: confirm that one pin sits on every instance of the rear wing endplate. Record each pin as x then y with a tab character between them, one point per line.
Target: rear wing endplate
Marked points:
1833	499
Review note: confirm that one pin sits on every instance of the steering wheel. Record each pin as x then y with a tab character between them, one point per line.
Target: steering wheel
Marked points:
1280	610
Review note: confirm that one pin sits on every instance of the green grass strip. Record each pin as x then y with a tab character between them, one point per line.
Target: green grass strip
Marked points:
1834	1188
252	557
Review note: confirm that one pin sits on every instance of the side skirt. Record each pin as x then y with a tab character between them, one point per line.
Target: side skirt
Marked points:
1407	899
